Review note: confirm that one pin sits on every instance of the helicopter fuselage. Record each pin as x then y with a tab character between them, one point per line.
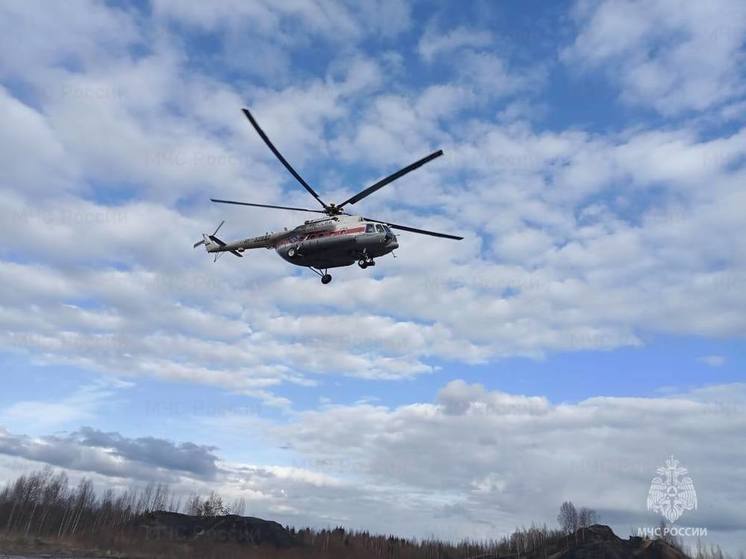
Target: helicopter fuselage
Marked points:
331	242
335	242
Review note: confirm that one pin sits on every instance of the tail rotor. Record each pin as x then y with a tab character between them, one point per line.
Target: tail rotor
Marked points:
219	247
206	238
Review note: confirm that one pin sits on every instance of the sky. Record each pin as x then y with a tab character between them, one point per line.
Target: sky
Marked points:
590	325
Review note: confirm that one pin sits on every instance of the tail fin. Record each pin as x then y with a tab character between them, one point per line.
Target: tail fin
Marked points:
213	244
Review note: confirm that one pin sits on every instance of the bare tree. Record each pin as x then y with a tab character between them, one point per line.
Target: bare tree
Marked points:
587	517
213	506
238	507
194	505
568	517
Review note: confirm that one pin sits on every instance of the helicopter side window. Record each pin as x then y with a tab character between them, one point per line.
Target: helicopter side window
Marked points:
369	228
379	228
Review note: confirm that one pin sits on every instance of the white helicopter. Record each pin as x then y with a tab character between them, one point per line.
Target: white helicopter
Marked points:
338	239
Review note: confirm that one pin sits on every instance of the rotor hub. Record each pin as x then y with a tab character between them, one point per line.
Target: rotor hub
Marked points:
333	209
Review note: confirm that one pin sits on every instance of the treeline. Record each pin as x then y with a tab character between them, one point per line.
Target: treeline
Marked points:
342	543
712	551
46	505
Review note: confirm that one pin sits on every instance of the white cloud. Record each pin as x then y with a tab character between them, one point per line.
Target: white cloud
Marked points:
493	77
498	455
27	132
40	416
331	19
435	42
713	360
91	35
665	54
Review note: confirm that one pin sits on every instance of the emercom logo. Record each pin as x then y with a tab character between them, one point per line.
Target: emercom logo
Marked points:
672	491
671	494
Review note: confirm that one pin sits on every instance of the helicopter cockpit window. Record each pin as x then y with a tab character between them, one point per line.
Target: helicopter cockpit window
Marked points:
386	228
370	228
379	228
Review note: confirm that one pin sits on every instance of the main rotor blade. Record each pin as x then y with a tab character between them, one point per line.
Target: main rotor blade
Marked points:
414	230
265	206
279	156
391	178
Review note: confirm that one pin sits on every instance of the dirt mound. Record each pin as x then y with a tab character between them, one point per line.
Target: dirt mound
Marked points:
600	542
247	530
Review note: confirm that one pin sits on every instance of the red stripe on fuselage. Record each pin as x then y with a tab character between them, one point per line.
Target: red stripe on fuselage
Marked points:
323	234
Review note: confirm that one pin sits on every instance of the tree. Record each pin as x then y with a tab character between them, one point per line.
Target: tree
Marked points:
238	507
587	517
213	506
194	505
568	517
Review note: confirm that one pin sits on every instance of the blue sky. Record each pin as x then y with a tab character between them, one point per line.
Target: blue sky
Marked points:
589	325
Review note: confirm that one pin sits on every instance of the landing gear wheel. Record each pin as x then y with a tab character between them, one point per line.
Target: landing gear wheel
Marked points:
362	263
292	252
325	276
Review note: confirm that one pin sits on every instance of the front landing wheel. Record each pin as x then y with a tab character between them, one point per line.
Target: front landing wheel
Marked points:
326	278
363	264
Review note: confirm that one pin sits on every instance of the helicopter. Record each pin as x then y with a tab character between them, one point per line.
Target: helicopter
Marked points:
338	239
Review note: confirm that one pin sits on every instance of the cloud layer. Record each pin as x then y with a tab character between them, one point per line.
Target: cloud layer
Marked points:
473	463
